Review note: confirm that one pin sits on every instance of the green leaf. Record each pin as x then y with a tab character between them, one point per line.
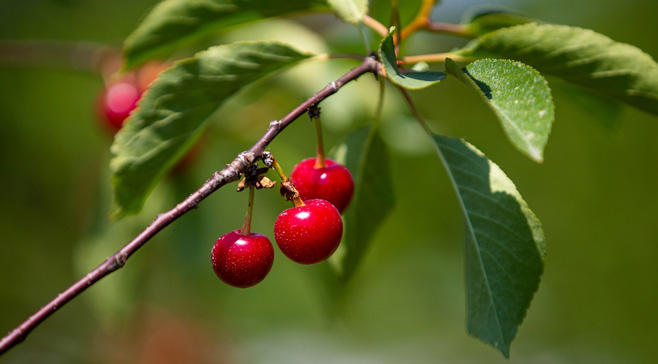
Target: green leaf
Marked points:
504	247
352	11
411	80
173	111
365	154
483	22
580	56
518	95
173	22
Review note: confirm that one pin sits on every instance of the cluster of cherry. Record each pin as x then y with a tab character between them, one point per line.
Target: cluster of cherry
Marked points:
308	233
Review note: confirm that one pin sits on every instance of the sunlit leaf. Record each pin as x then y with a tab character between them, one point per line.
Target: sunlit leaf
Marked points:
580	56
173	22
504	248
365	154
518	95
352	11
172	113
411	80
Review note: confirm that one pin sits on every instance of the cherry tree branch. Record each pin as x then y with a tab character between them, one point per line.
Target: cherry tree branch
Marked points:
227	175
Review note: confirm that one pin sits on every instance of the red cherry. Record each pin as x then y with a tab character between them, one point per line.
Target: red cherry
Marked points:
117	101
242	261
333	183
309	234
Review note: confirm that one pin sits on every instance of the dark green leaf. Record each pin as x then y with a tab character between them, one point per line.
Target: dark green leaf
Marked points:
173	22
172	113
411	80
580	56
365	154
352	11
484	22
518	95
504	248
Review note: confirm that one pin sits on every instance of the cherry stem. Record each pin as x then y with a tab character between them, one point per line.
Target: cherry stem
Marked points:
231	173
296	200
421	20
315	118
246	227
279	170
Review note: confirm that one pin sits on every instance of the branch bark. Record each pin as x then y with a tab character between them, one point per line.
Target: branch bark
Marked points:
227	175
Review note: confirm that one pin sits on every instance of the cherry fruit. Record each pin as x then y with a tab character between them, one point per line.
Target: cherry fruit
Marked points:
117	101
310	233
242	260
122	93
333	182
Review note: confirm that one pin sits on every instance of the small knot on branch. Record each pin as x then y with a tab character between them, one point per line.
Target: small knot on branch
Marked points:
254	177
313	112
275	123
268	159
120	260
243	161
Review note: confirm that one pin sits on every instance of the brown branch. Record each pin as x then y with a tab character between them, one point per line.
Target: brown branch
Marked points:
229	174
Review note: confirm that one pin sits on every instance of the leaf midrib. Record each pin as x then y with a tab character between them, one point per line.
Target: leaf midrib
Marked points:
473	237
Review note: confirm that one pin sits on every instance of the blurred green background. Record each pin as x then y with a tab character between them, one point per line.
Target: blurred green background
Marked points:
596	195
